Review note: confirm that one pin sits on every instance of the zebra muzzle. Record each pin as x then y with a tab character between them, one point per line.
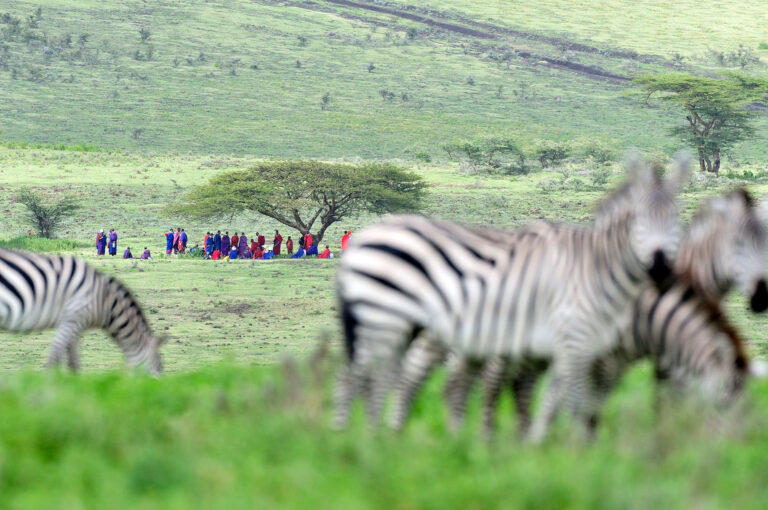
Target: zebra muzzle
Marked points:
759	300
660	270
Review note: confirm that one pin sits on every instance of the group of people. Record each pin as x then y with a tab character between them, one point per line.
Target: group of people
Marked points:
217	246
106	242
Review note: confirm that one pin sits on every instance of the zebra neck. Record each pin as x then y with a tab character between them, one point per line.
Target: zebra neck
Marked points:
698	260
613	253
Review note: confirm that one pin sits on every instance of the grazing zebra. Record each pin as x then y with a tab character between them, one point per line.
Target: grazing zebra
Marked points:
41	292
521	294
725	247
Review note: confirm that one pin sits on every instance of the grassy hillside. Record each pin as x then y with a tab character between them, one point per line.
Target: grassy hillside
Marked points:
244	77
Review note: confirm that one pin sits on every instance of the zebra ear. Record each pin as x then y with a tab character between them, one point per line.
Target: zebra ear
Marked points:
758	368
678	176
637	170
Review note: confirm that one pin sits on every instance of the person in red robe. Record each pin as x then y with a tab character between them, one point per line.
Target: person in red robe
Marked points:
216	254
262	240
326	253
345	240
254	246
307	241
258	253
235	239
276	242
289	245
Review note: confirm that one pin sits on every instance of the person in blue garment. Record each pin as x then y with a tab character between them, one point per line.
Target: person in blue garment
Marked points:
112	242
299	253
217	240
269	254
169	242
312	249
225	243
127	253
233	253
209	245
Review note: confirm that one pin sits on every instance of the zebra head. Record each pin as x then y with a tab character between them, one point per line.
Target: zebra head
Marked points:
654	226
145	352
740	246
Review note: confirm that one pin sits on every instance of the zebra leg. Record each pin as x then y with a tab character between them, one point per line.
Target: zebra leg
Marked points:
348	385
68	332
377	388
422	356
523	386
462	373
549	408
73	355
495	372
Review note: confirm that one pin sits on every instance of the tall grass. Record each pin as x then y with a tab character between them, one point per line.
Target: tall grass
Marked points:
35	243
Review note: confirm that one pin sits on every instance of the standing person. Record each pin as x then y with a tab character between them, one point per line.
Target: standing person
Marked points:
205	239
242	247
262	240
183	241
100	242
217	240
326	253
169	242
176	237
276	242
302	239
209	245
289	245
112	242
345	240
308	241
225	244
234	240
127	253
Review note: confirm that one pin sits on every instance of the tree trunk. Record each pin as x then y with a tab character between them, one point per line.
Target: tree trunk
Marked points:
716	157
702	164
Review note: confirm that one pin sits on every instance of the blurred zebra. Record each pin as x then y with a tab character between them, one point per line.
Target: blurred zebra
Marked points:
41	292
725	247
484	293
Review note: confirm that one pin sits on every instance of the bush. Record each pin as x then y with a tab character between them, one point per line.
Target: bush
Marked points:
600	152
552	154
599	176
423	156
763	46
490	155
45	213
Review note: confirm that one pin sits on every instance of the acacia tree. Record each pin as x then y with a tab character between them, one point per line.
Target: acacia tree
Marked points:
306	194
43	212
716	114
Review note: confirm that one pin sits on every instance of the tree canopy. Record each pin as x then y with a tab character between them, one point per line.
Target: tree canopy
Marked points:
716	113
306	195
45	213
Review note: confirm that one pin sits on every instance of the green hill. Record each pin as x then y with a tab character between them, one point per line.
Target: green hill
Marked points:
244	77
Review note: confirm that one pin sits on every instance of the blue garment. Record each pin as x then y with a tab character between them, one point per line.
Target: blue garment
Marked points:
169	242
269	255
299	254
312	250
209	245
233	254
183	238
217	242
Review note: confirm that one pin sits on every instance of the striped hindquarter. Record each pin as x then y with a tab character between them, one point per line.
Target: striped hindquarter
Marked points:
40	292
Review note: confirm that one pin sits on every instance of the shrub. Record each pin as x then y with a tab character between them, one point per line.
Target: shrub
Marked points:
470	80
763	46
45	213
423	156
490	155
144	34
600	152
599	176
552	153
324	101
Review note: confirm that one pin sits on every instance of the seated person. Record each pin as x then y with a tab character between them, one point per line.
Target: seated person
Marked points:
216	254
258	253
326	253
146	255
299	254
233	253
127	253
195	250
269	254
312	250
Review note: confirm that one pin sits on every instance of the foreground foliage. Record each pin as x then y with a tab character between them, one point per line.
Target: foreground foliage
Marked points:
245	437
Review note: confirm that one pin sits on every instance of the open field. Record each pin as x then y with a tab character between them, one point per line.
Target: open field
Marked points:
199	90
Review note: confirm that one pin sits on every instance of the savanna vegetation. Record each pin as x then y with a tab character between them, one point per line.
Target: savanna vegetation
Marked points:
151	115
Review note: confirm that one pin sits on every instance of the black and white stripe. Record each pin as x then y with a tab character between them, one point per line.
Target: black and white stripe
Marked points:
725	247
40	292
529	293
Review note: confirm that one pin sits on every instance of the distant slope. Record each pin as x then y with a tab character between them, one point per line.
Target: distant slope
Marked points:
248	77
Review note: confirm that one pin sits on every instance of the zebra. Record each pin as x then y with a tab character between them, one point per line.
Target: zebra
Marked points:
485	293
40	292
725	247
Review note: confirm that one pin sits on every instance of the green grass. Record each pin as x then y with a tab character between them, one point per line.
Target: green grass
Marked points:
35	243
251	437
99	94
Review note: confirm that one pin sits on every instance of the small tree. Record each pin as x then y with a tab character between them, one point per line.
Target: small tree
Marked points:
324	100
144	34
303	193
716	117
44	213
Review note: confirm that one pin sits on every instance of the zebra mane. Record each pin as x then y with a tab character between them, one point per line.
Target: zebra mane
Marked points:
118	286
717	317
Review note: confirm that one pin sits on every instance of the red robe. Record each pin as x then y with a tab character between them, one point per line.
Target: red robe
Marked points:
289	246
216	255
307	241
258	253
262	241
276	244
234	239
325	254
254	247
344	242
